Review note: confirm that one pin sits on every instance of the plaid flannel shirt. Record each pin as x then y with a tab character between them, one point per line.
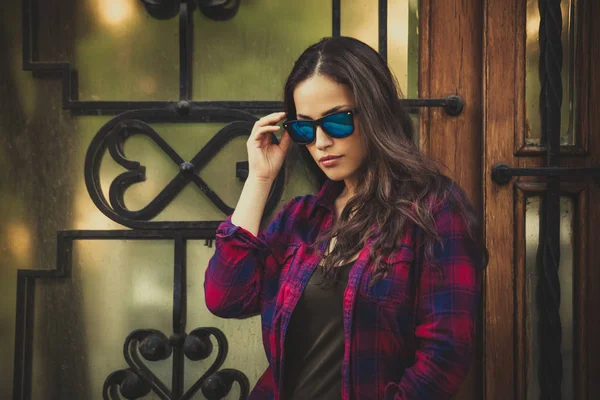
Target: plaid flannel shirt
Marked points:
409	337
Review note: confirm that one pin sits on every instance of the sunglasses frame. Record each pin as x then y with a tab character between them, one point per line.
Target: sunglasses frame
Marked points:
319	122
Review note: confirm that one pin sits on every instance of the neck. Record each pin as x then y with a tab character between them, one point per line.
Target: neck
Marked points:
349	190
342	199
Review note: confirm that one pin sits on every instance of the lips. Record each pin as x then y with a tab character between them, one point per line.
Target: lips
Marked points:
327	158
329	161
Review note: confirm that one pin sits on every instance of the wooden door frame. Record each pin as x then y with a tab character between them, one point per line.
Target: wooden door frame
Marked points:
451	43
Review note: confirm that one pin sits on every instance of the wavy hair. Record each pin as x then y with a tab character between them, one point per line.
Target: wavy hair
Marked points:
398	182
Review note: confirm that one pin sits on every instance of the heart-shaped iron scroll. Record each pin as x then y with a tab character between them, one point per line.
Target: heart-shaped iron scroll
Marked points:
138	380
218	10
219	384
115	133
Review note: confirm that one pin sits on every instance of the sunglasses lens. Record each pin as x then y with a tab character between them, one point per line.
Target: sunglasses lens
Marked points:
302	132
339	125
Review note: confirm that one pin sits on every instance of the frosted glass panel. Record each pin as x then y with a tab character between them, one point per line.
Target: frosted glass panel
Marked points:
532	77
249	56
121	53
246	352
118	50
81	321
360	20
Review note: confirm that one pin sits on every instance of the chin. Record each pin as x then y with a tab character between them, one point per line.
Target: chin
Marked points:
336	176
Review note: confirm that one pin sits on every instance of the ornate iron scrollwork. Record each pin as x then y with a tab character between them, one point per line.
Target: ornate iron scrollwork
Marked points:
219	384
218	10
161	9
115	133
138	380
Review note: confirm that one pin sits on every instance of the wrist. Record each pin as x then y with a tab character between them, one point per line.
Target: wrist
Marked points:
260	180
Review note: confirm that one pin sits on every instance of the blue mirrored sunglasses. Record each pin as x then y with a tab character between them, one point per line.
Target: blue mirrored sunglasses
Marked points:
337	125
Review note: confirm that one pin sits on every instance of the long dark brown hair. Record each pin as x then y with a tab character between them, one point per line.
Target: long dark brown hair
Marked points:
397	181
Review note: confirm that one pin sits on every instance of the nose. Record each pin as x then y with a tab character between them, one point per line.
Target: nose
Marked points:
322	140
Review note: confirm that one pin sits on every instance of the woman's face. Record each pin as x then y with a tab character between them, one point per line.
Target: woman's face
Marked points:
315	97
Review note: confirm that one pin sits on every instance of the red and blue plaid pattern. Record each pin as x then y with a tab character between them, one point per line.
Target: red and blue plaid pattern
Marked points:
409	337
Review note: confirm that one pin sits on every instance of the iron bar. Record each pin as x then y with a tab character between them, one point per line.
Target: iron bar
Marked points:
502	173
336	22
186	36
548	258
382	25
452	105
23	337
179	316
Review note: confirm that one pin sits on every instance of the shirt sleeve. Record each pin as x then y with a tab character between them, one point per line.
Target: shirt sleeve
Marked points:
447	306
236	272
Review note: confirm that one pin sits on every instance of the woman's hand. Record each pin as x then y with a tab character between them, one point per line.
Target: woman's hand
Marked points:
265	158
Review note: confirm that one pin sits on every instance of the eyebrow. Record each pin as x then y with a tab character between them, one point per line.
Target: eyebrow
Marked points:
332	110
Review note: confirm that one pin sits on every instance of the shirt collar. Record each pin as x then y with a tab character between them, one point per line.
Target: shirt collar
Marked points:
329	192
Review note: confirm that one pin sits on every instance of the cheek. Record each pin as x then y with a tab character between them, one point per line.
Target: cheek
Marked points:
357	148
311	149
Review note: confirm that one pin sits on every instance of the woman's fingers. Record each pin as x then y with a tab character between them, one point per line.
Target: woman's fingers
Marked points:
264	156
265	125
270	119
260	134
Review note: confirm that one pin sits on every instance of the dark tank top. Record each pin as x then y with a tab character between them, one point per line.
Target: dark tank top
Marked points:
314	343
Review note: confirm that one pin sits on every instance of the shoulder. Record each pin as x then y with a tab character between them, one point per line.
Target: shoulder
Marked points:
300	205
297	210
450	211
452	199
458	228
293	222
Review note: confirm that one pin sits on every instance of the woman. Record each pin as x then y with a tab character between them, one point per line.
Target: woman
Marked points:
369	289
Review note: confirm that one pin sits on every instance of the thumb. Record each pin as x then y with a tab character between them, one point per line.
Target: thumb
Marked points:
285	141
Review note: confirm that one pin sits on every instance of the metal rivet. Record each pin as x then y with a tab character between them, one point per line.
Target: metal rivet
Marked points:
186	168
183	107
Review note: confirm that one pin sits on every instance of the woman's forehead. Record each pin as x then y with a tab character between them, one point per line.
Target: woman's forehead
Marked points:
319	94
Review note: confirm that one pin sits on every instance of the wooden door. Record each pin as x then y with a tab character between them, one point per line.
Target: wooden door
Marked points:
541	286
538	332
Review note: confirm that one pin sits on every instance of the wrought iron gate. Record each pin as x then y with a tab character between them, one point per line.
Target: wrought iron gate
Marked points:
136	118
